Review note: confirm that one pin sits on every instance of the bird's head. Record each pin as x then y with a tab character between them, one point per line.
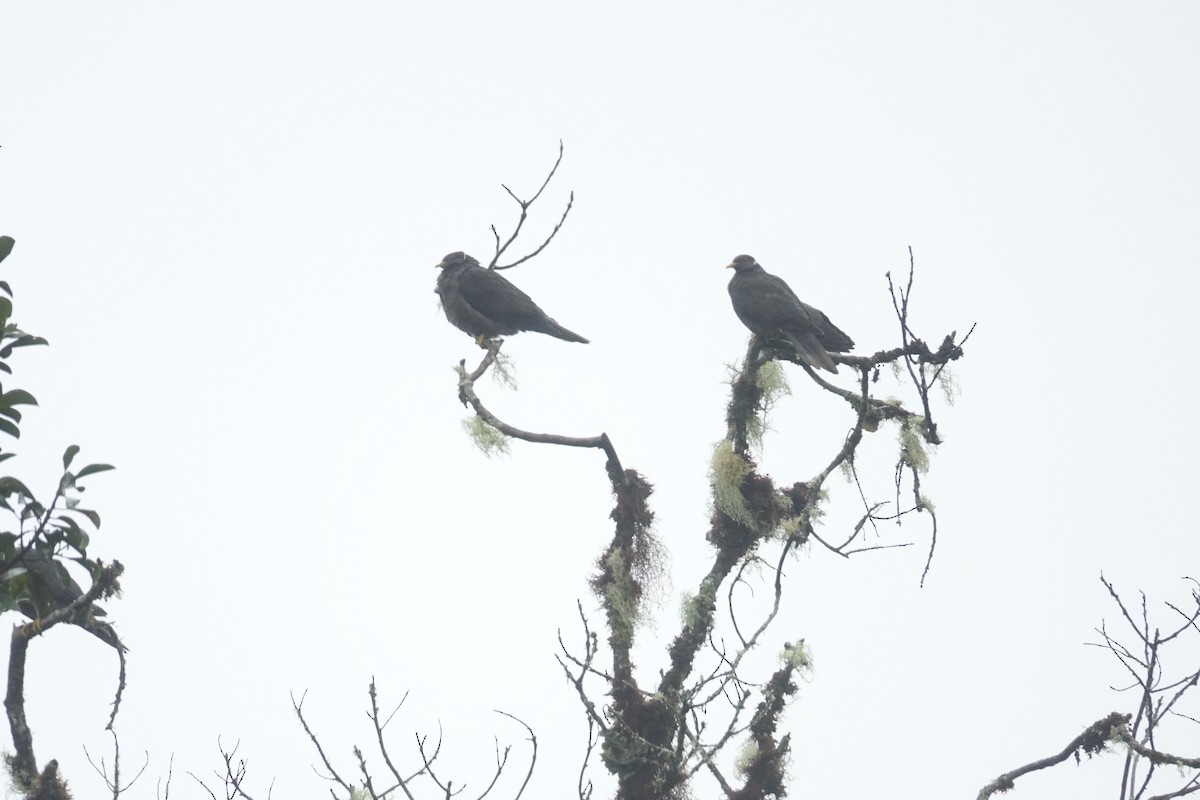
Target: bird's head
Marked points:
742	263
456	259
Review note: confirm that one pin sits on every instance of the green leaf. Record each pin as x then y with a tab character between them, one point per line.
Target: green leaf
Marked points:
69	455
78	539
6	246
66	522
5	309
24	340
9	428
6	288
6	456
91	469
7	601
17	397
8	546
67	481
11	413
92	515
10	485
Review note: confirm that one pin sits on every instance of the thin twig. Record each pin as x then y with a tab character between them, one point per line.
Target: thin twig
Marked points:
333	775
524	205
387	759
532	757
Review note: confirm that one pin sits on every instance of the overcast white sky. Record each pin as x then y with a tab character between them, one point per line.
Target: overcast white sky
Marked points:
227	217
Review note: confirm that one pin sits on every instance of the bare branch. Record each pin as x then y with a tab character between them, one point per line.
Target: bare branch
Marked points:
1091	741
532	757
466	393
113	782
333	775
524	206
379	726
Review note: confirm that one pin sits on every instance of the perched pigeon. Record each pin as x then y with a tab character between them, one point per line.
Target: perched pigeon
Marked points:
769	308
51	589
484	304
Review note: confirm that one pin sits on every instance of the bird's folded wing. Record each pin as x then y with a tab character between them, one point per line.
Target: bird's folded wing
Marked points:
490	294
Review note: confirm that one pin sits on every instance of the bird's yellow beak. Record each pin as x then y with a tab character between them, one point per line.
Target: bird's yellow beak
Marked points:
439	265
730	265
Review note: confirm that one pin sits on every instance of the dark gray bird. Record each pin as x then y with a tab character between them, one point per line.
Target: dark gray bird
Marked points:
52	588
484	304
769	308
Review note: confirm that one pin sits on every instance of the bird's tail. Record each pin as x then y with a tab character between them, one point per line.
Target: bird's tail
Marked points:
810	351
552	328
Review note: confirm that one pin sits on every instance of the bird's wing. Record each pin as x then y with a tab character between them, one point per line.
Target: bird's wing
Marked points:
775	305
805	318
832	338
493	296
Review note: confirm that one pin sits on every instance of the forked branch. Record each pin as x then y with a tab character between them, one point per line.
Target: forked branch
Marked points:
1140	731
524	206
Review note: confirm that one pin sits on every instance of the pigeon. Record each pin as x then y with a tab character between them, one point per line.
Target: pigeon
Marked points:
484	304
769	308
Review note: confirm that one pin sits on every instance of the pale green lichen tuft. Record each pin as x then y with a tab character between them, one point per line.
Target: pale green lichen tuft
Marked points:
727	472
621	596
798	526
491	441
792	527
772	382
504	371
798	656
950	389
847	469
912	446
745	757
689	611
926	503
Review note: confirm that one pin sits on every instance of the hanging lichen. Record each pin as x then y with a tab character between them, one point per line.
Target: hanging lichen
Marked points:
486	438
912	446
727	473
772	382
622	594
948	385
745	757
504	371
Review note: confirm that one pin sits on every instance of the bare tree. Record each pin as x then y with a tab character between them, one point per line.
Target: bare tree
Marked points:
656	736
1160	710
